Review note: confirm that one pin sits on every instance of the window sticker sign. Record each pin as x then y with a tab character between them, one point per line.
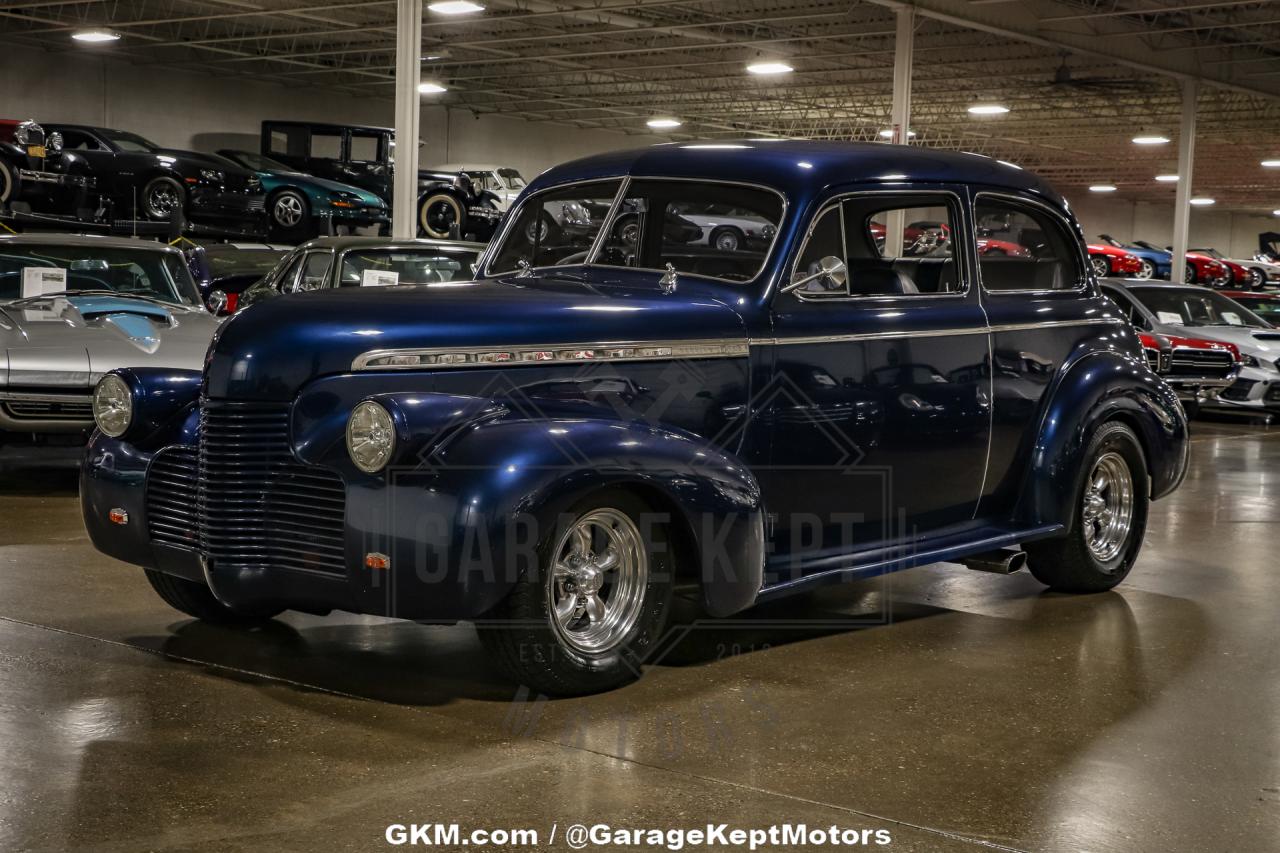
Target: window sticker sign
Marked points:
379	278
1172	318
37	281
1232	318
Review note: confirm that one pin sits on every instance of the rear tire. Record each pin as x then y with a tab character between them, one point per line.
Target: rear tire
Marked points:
290	214
727	239
1107	524
9	183
162	196
1257	279
439	213
195	599
1147	271
1189	274
1101	266
563	642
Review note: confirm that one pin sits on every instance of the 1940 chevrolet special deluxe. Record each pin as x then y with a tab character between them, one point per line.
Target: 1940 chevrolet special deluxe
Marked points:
616	406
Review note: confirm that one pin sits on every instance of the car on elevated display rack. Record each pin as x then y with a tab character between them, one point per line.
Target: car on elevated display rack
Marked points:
37	170
1106	260
333	262
1251	274
223	271
503	181
1180	311
555	446
298	204
450	205
143	180
1197	269
1153	262
74	308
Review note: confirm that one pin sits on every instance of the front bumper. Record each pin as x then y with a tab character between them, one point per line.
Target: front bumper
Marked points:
359	216
1254	389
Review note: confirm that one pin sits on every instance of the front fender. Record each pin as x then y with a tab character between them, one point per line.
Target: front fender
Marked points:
1102	386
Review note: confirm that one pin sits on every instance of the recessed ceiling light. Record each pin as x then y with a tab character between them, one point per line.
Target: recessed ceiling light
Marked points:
455	7
431	88
95	35
659	123
1271	164
1275	213
1167	179
1102	188
1202	201
769	68
1150	139
988	109
887	133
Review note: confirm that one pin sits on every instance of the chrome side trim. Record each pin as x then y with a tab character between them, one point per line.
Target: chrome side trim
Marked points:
534	354
936	333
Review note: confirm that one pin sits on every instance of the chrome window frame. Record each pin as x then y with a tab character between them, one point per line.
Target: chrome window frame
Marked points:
962	276
1082	260
764	262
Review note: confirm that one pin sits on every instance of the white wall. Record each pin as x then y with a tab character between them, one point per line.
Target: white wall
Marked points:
1233	234
204	112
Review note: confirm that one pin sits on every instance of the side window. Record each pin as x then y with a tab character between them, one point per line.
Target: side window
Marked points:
289	141
326	146
859	231
717	230
287	281
78	141
364	148
1021	247
555	227
315	271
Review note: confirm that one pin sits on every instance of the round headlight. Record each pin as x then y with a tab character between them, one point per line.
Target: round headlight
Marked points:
112	405
371	437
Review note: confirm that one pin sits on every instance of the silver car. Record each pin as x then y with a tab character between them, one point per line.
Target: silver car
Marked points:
75	307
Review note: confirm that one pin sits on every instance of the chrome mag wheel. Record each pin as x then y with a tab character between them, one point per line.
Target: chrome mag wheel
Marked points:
597	581
1101	267
1107	513
287	210
1148	270
163	198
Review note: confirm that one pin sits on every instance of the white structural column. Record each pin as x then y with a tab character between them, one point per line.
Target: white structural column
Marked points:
404	202
1186	164
902	46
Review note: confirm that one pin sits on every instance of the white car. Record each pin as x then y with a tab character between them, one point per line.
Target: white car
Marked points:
726	228
503	181
1261	273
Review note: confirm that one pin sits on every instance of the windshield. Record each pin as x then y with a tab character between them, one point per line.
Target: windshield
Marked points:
373	267
1266	307
257	162
512	178
34	270
556	227
1186	307
131	142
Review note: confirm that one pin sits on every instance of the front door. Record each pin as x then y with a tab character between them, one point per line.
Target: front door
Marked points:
880	399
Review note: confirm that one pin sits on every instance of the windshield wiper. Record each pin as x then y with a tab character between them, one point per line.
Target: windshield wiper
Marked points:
114	293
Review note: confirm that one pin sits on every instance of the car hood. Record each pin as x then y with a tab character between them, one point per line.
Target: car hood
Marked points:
272	349
71	341
1263	344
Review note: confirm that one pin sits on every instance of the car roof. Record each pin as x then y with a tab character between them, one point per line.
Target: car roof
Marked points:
801	167
89	241
356	242
327	125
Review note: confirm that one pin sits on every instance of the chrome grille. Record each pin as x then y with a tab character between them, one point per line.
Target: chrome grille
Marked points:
258	507
1201	362
171	498
49	410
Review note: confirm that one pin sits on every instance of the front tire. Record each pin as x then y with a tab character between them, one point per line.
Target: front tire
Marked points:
594	607
161	196
1101	266
1189	274
195	599
1147	271
1257	279
1108	520
438	215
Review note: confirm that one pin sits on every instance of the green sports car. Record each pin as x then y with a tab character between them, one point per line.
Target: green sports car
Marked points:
298	204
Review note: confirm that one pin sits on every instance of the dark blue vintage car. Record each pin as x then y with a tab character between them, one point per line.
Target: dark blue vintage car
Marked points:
608	412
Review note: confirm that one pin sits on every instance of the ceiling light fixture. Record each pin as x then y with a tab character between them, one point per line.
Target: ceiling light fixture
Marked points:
1271	164
659	123
455	7
431	88
1203	201
988	109
1167	179
769	68
1150	139
95	36
887	133
1102	188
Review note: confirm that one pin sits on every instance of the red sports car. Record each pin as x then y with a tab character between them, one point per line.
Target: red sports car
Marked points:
1111	261
1202	269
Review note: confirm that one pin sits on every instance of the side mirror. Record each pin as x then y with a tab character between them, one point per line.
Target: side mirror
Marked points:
217	302
831	272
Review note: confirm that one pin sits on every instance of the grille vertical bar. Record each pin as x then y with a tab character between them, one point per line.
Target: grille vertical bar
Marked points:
257	506
171	498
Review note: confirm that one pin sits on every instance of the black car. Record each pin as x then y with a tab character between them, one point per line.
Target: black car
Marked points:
449	204
35	170
142	180
223	271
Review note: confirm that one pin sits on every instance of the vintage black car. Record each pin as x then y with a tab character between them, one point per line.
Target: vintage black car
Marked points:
449	204
142	180
36	170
